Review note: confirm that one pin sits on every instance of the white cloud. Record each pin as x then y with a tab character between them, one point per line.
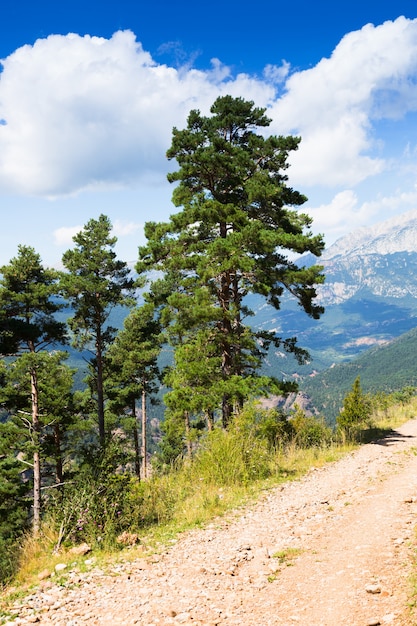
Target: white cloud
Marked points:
87	113
332	217
277	73
371	75
122	228
63	236
345	212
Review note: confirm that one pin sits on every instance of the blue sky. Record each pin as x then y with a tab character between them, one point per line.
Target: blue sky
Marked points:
90	91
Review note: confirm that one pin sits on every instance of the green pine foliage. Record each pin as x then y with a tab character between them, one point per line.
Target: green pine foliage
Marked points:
233	236
95	282
28	308
132	374
14	497
356	411
27	291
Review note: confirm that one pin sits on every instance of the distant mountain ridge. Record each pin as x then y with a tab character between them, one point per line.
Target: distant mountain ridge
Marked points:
397	234
369	295
369	327
380	259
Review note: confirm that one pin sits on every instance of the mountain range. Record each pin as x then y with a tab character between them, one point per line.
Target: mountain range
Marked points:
369	295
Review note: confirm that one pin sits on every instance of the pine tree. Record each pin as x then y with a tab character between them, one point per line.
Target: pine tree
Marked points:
95	283
57	410
234	235
54	380
28	312
133	372
356	408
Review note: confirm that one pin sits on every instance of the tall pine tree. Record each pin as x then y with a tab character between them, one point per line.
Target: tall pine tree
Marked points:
95	282
133	373
234	235
28	313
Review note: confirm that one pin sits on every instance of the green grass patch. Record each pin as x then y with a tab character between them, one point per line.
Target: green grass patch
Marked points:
287	555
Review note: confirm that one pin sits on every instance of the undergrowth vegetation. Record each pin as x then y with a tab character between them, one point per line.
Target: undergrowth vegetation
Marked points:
228	468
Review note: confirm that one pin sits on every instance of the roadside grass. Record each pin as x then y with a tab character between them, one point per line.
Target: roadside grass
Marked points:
231	470
395	415
171	504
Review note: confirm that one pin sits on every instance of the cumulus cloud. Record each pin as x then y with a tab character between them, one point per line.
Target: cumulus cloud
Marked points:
346	212
277	73
371	75
63	236
88	113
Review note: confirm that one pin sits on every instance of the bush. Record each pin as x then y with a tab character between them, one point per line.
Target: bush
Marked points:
95	512
356	412
95	506
269	425
231	458
309	431
245	451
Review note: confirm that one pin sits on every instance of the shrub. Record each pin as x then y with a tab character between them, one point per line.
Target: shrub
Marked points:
356	412
309	431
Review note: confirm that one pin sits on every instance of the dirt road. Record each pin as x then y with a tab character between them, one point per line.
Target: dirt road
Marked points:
334	548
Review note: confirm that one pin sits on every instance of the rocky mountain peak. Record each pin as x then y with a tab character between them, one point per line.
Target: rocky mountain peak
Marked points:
398	234
377	261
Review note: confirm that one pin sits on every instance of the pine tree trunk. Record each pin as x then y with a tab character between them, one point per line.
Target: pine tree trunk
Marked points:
36	455
187	434
100	393
136	441
226	410
226	329
59	473
144	451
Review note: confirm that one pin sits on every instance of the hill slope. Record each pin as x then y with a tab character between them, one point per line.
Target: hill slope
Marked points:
386	368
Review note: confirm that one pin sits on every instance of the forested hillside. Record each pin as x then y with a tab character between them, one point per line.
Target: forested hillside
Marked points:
369	296
387	368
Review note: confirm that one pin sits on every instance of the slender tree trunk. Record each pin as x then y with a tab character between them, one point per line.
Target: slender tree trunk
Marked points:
187	434
144	450
100	392
209	420
136	440
226	329
237	346
227	410
36	455
59	473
